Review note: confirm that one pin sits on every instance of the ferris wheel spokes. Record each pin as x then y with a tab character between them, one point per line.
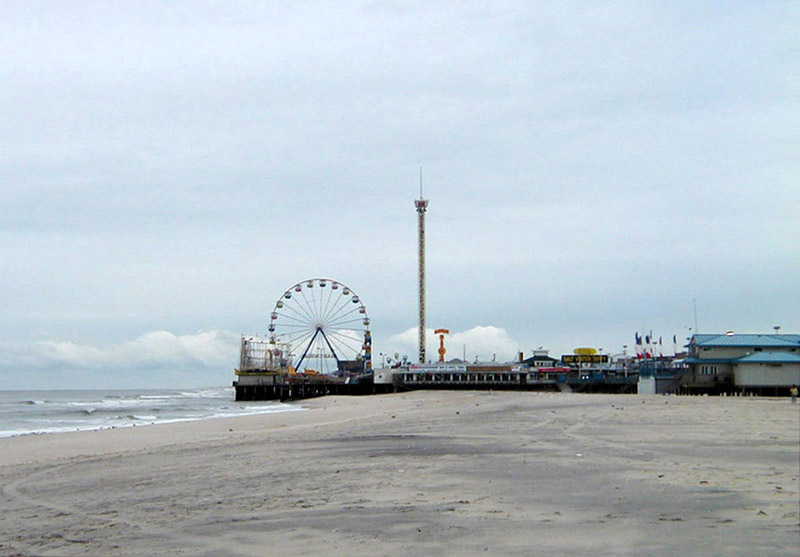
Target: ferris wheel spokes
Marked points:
307	307
324	311
326	320
296	338
345	338
341	312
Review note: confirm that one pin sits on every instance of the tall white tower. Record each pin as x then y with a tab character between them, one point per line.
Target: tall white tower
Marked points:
421	205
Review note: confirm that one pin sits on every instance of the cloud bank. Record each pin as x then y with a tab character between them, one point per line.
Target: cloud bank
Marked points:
155	349
479	343
152	359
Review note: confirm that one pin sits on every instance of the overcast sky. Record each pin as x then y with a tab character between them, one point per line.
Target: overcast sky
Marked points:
169	169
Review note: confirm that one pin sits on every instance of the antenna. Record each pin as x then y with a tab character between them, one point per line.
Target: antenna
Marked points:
420	182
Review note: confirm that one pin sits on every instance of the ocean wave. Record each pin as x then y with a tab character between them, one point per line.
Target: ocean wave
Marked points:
111	404
209	393
252	411
142	418
62	411
100	412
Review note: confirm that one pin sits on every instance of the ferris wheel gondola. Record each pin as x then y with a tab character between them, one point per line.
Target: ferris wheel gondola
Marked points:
326	325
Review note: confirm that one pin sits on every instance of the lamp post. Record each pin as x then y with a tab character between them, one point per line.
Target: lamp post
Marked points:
625	359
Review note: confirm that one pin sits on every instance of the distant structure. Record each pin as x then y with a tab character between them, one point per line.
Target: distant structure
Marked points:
442	349
762	364
422	205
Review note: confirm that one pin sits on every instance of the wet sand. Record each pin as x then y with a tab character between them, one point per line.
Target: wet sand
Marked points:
422	473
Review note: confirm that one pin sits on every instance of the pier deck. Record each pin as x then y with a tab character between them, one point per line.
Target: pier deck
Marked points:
251	386
512	380
458	380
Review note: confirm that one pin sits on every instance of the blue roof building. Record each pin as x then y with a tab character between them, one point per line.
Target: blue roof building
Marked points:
763	363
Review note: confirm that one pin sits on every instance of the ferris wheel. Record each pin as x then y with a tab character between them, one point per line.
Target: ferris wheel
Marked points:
326	325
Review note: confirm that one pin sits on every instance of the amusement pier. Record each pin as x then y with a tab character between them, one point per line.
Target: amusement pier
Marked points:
319	343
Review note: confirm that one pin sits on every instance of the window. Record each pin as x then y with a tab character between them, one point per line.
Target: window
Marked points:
757	349
708	370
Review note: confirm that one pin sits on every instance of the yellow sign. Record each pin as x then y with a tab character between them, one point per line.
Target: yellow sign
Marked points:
585	351
585	358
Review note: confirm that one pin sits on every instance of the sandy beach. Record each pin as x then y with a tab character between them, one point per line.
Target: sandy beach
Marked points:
421	473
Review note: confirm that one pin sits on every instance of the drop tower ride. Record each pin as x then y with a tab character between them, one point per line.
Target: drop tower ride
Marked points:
422	206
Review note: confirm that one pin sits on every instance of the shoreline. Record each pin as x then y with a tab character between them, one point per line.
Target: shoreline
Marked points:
46	412
428	472
143	424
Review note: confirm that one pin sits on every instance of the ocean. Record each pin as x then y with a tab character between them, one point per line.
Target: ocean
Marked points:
29	412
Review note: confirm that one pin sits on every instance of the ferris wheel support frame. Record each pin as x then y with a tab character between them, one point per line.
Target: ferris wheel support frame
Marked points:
311	343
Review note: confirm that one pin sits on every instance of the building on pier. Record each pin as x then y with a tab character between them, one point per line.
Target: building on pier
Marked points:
764	364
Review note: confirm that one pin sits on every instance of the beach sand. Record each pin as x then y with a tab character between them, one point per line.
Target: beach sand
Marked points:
421	473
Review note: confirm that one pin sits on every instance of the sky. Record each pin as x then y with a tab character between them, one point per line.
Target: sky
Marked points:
594	169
